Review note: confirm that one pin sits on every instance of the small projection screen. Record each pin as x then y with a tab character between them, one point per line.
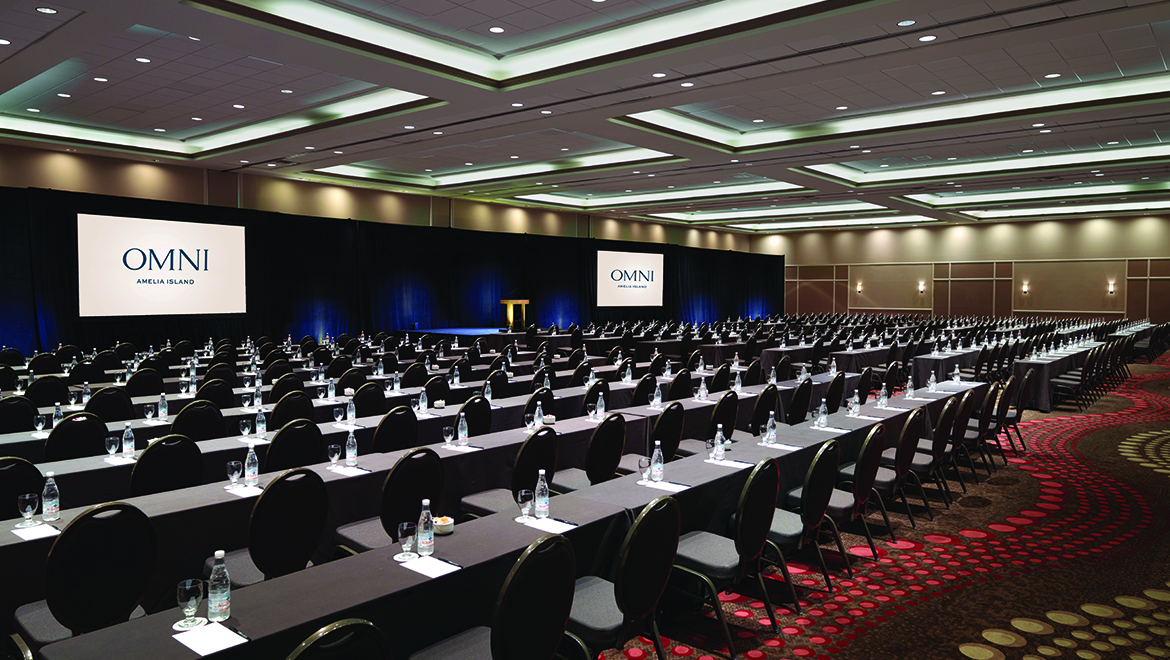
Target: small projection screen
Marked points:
629	279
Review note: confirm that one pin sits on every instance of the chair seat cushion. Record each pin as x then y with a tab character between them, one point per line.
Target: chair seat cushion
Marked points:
786	530
885	480
363	535
691	447
473	644
38	627
488	502
709	554
840	502
889	456
846	472
569	480
241	570
595	617
628	464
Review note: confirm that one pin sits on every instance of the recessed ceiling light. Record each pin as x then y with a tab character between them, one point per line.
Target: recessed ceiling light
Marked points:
144	60
438	132
286	91
564	149
687	84
469	164
64	96
658	75
197	119
32	109
237	106
101	79
244	161
4	42
194	38
271	164
546	112
496	30
517	105
1052	75
842	107
310	148
927	37
906	23
1113	142
160	130
428	170
938	93
46	10
338	152
1046	130
1027	151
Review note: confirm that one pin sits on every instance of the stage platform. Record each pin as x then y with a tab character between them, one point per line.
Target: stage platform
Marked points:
494	339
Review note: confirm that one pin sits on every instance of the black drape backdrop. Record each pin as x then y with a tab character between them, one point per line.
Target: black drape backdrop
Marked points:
308	275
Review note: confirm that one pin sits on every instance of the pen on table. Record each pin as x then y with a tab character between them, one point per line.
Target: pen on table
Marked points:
236	631
561	520
446	561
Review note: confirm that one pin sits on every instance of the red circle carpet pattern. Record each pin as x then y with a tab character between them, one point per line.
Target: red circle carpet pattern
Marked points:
1081	514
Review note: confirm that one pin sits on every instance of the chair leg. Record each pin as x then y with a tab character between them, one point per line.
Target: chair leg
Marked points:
840	545
909	512
1023	444
714	604
657	637
922	492
869	538
885	515
970	464
955	464
787	576
824	568
940	483
585	653
767	601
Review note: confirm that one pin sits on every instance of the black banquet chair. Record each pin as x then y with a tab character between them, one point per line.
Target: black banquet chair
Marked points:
169	463
112	404
294	405
539	452
199	420
397	430
77	435
47	391
17	477
601	457
348	639
296	444
17	413
416	476
218	392
369	401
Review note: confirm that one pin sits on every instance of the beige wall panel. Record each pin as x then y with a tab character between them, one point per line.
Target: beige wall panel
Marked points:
842	272
893	286
978	271
816	272
1135	299
816	297
1003	297
972	297
1139	267
790	297
1069	286
330	201
223	188
1003	269
1159	311
481	216
791	273
36	168
941	299
1160	268
840	297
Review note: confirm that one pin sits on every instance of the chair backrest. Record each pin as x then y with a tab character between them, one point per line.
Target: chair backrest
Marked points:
545	397
463	366
437	388
818	486
415	375
766	403
864	385
987	410
692	361
84	372
352	378
416	476
680	386
801	400
45	363
598	389
218	392
369	401
478	412
296	444
77	435
1005	401
722	378
538	452
199	420
580	373
668	429
112	404
615	353
868	462
11	357
499	382
144	382
294	405
343	640
289	382
397	430
754	374
338	366
724	413
757	504
835	393
545	573
125	350
108	361
1024	392
784	368
17	413
47	390
657	365
80	564
908	442
963	410
605	448
17	477
287	522
893	377
645	558
169	463
224	372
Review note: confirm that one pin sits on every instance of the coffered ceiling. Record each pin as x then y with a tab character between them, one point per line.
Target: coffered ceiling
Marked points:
750	115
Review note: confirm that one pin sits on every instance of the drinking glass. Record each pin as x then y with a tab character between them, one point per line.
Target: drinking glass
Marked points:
711	448
695	392
321	392
334	454
414	403
112	444
406	538
183	386
27	505
245	427
337	414
764	431
39	422
72	397
248	381
644	468
190	592
448	434
148	410
234	470
246	400
524	501
591	410
529	421
389	386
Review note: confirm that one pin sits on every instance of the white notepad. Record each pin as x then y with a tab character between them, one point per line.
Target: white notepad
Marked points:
728	463
38	532
667	486
550	525
430	566
246	491
209	638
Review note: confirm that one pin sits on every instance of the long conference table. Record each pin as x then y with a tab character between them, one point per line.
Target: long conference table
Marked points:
192	523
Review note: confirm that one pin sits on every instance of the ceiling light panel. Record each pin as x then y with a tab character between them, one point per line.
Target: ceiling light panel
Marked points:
21	25
801	225
778	212
1071	209
660	196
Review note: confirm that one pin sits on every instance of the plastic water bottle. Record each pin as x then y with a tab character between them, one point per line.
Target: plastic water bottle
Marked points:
955	375
50	500
85	392
547	381
422	401
770	429
487	391
657	396
854	405
258	394
426	530
219	591
128	441
455	378
538	416
397	381
702	388
735	360
350	412
461	429
772	376
261	423
629	375
910	387
803	374
251	467
833	368
931	383
351	450
719	443
738	382
666	370
656	462
702	367
57	416
541	494
601	405
823	414
332	389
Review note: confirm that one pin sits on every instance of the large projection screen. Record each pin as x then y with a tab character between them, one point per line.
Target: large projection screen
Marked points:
139	267
629	279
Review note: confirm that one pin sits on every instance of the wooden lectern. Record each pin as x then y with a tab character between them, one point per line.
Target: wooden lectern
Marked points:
510	307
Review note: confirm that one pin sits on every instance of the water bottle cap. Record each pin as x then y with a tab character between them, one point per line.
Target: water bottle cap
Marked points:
426	502
127	424
540	472
49	474
657	443
219	554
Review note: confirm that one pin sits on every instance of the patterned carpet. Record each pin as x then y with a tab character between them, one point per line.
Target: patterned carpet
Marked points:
1062	554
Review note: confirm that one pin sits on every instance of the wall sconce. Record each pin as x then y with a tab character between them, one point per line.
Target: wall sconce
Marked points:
1111	288
922	287
1025	287
859	288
